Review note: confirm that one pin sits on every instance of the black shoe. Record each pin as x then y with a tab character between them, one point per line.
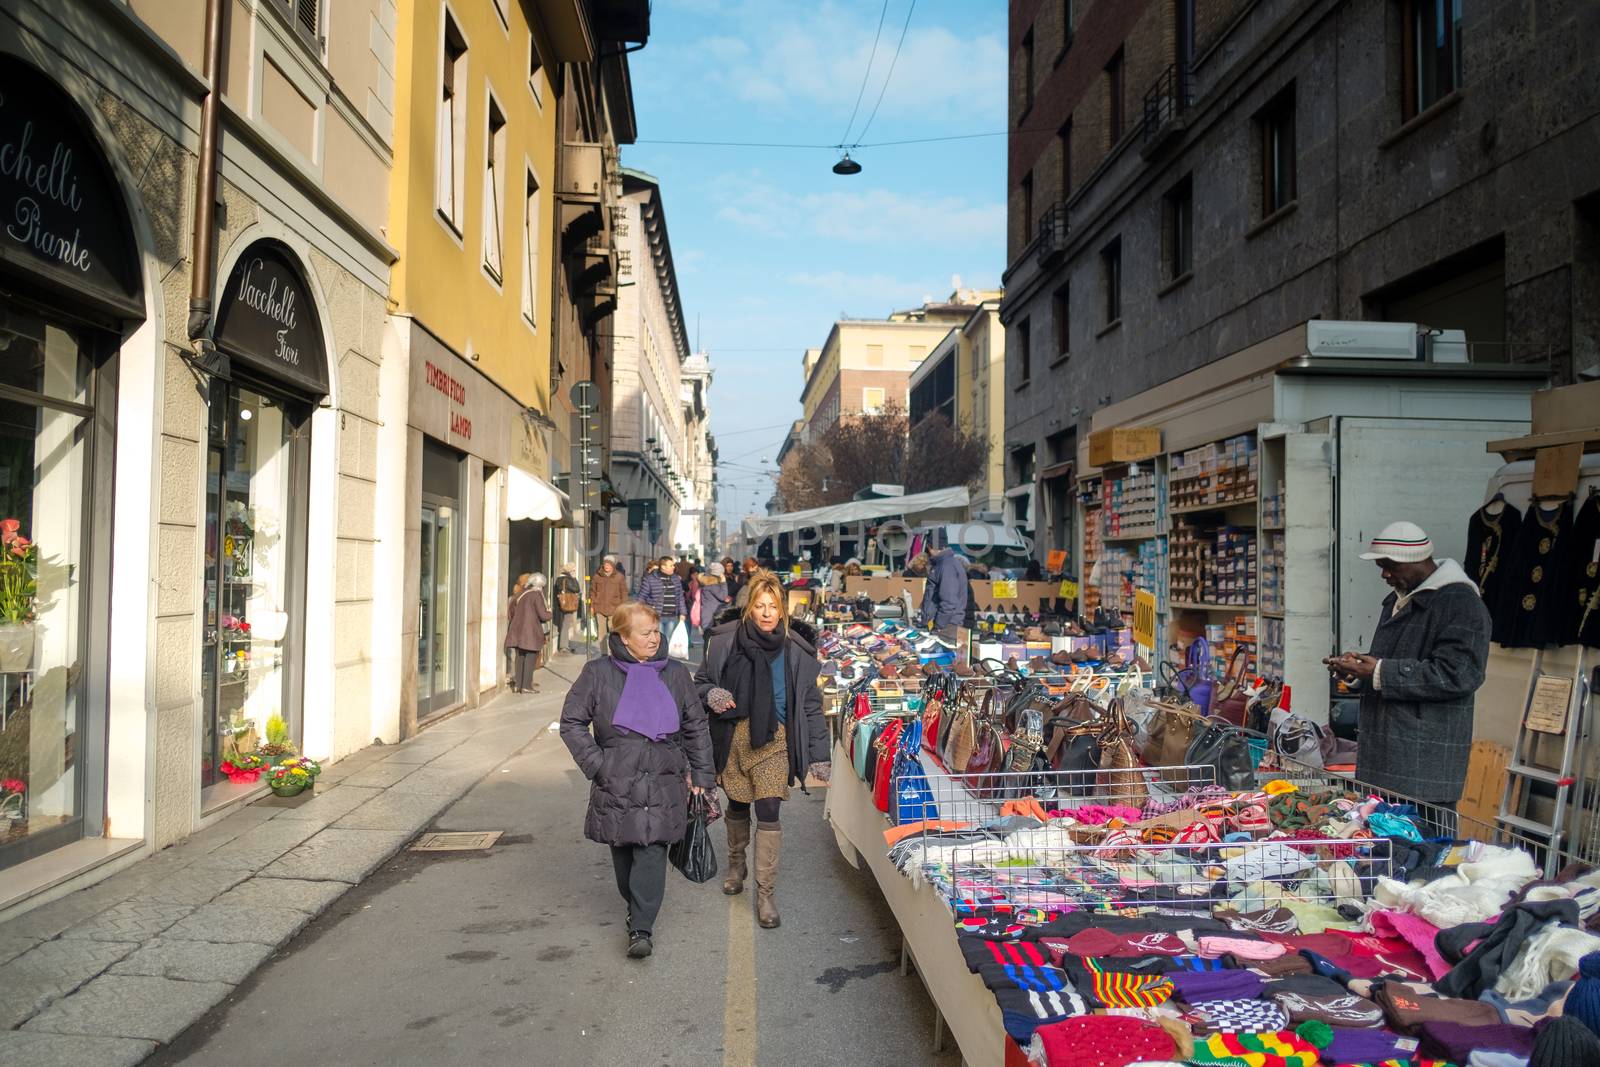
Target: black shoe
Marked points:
639	946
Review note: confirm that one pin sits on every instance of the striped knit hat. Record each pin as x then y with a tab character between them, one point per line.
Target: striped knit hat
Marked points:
1403	542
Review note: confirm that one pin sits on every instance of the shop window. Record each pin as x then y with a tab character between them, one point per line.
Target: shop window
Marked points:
441	591
1275	135
1111	280
1114	104
1430	53
494	193
872	401
451	163
1022	345
45	427
1060	319
1177	229
530	250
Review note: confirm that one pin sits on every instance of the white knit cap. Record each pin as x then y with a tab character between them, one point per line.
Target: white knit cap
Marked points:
1403	542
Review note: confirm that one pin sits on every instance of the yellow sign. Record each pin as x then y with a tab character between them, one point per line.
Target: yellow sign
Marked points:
1004	589
1068	589
1144	619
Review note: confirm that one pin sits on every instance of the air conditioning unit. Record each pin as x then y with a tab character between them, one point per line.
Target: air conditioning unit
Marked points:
1446	346
1361	340
582	171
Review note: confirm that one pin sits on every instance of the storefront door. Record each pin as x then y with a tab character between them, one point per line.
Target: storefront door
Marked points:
440	588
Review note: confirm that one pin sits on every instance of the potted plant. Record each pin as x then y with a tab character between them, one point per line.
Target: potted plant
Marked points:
19	589
293	776
243	767
277	747
13	799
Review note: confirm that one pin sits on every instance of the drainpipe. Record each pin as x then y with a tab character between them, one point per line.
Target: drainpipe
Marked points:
203	275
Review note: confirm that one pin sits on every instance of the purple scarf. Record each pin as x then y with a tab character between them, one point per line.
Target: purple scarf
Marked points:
647	706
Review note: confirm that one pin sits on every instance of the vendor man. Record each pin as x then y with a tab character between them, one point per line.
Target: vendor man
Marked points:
1418	680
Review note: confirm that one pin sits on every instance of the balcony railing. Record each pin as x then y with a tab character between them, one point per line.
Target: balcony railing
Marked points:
1053	228
1166	101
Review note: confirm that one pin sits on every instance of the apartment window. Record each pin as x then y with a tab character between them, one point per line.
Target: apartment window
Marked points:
1027	207
1114	116
916	354
872	401
494	192
451	147
874	355
1022	343
1022	465
500	9
1111	279
1061	320
1027	71
1064	137
530	249
1183	18
1275	126
535	65
1069	22
303	16
1432	52
1177	229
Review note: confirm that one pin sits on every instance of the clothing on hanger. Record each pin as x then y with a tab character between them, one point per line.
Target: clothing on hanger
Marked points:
1584	567
1489	537
1534	607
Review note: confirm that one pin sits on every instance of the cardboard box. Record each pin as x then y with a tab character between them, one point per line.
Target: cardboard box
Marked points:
1123	445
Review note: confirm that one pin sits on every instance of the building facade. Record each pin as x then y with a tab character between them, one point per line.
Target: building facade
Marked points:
697	520
193	309
651	425
963	379
1189	178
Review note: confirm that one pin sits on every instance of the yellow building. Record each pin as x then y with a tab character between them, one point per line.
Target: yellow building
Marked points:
502	149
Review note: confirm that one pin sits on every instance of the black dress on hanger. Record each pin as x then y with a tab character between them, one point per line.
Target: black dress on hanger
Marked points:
1489	541
1584	569
1535	595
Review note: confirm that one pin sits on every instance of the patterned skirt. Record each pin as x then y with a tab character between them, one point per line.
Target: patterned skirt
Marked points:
756	774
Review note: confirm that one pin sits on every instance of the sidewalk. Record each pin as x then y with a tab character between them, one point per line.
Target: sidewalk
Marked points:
105	975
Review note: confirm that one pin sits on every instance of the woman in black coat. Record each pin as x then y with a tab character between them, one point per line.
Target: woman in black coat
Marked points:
634	724
759	681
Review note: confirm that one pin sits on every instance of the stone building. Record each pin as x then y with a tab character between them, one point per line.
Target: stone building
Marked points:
964	380
1189	177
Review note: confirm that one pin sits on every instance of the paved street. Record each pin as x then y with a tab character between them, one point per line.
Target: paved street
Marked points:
514	956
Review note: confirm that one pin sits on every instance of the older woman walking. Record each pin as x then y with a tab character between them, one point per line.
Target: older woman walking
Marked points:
713	597
634	724
525	632
759	681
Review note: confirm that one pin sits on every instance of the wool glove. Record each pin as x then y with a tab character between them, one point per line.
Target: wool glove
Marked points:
822	771
719	700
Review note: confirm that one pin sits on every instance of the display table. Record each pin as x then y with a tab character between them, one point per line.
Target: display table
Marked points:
926	924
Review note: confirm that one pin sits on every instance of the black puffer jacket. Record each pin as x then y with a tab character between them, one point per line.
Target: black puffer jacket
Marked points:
807	727
638	795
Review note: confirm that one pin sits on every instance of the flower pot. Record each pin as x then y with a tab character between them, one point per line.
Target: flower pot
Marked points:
290	789
16	646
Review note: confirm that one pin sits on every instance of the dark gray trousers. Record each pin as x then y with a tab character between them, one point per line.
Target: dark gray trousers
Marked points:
642	881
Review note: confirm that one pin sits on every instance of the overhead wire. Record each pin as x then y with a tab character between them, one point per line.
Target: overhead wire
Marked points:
892	61
867	74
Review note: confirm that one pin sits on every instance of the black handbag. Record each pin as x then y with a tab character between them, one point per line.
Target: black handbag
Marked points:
1227	751
693	853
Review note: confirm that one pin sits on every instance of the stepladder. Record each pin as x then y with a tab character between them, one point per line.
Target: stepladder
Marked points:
1556	712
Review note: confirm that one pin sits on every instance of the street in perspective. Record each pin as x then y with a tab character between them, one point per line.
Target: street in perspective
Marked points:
1045	533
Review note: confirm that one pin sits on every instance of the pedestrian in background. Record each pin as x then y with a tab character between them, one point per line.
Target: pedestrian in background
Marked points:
751	566
713	598
569	605
661	589
731	575
944	599
759	681
636	727
916	566
607	590
511	650
525	632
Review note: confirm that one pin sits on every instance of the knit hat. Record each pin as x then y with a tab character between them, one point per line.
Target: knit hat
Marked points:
1565	1042
1283	1048
1583	1003
1100	1041
715	570
1402	542
1236	1016
1355	1045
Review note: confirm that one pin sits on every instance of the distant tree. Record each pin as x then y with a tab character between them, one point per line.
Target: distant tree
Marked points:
939	455
861	450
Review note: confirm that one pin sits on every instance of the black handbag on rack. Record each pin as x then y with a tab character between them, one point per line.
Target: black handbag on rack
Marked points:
1225	749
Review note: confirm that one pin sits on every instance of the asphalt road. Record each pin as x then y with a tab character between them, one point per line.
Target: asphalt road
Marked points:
515	956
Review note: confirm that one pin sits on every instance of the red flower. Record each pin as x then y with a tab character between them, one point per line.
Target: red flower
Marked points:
13	785
228	768
8	530
19	546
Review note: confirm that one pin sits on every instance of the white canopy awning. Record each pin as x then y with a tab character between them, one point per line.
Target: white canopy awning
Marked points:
531	497
976	536
906	508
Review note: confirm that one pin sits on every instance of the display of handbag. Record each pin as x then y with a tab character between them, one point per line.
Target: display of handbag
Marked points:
1226	750
1121	781
885	750
1171	731
962	736
913	796
1232	699
1196	674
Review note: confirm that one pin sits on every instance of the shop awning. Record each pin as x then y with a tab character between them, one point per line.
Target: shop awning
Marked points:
1056	470
531	497
907	508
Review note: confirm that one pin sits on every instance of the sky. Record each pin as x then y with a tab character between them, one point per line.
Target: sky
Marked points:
770	245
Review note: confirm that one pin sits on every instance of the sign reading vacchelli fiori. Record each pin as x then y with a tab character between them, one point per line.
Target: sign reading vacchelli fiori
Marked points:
266	319
62	220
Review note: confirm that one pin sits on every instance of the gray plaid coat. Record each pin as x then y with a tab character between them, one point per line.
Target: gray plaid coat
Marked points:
1416	732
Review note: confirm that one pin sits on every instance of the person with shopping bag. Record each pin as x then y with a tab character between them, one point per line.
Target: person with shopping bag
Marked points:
569	604
759	682
636	727
661	589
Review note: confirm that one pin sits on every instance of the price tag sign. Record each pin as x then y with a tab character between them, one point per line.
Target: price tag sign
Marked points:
1068	589
1055	560
1004	589
1144	619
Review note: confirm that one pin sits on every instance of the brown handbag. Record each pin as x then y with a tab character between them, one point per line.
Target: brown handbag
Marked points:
1120	779
1231	701
963	735
1172	730
568	602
